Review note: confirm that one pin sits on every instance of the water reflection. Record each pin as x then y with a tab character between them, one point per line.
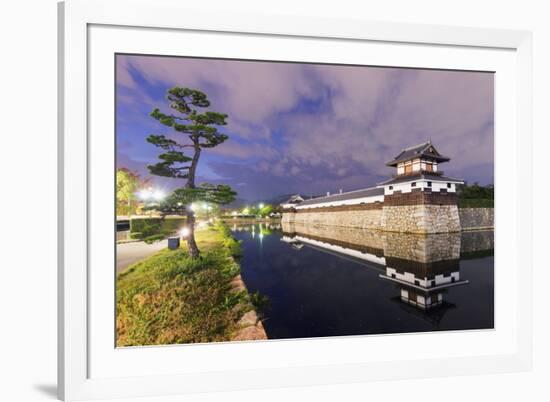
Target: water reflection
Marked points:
311	275
423	266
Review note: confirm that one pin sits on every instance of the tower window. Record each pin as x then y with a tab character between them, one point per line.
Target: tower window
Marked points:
429	184
448	185
413	184
391	187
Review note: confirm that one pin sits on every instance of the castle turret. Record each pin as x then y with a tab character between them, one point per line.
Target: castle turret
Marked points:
417	168
419	198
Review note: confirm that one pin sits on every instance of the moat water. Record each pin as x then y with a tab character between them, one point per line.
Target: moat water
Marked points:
326	281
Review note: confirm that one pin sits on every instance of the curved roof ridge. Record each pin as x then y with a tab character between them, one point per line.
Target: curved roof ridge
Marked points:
417	146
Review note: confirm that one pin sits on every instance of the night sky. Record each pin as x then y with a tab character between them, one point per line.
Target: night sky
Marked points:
309	128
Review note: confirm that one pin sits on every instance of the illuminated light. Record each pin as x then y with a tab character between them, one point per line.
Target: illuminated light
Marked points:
261	205
234	213
144	194
193	207
158	195
184	232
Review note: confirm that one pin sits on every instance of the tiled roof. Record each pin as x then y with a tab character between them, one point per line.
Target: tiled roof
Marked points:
419	176
295	199
425	149
367	192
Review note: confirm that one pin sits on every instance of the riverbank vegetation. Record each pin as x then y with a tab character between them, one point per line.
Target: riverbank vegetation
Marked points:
171	298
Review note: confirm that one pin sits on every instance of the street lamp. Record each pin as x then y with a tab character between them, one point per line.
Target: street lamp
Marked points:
158	195
148	194
184	232
144	194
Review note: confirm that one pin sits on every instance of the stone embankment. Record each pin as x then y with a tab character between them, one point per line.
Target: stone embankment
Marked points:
477	218
250	326
353	218
403	218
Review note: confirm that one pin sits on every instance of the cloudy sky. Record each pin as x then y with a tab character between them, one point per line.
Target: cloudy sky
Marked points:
307	128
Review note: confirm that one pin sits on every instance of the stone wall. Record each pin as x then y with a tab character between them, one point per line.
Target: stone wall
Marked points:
403	218
421	219
364	219
477	218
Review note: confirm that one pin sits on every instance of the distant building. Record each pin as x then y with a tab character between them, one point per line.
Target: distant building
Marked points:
293	201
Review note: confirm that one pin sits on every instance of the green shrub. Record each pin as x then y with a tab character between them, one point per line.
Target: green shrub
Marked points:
233	246
154	238
170	225
145	228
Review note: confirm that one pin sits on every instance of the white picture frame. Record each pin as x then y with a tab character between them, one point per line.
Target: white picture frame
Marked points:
76	378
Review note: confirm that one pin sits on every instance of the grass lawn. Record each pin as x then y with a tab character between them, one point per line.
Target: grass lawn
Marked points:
170	298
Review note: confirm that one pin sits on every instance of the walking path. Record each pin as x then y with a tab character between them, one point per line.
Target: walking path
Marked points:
129	253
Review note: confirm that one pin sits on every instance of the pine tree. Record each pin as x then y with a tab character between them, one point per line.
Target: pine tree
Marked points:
199	129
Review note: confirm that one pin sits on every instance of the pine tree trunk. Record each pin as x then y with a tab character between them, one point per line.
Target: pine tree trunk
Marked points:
191	243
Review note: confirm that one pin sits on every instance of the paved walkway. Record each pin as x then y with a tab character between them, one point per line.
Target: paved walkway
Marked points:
128	253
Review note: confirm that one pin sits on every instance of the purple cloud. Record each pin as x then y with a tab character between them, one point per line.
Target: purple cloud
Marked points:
312	128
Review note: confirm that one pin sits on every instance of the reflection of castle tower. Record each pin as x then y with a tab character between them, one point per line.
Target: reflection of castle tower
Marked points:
423	266
423	284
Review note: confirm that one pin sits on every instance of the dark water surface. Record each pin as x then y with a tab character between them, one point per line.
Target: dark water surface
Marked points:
341	281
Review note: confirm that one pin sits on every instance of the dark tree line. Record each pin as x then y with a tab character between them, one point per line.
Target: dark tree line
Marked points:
475	191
